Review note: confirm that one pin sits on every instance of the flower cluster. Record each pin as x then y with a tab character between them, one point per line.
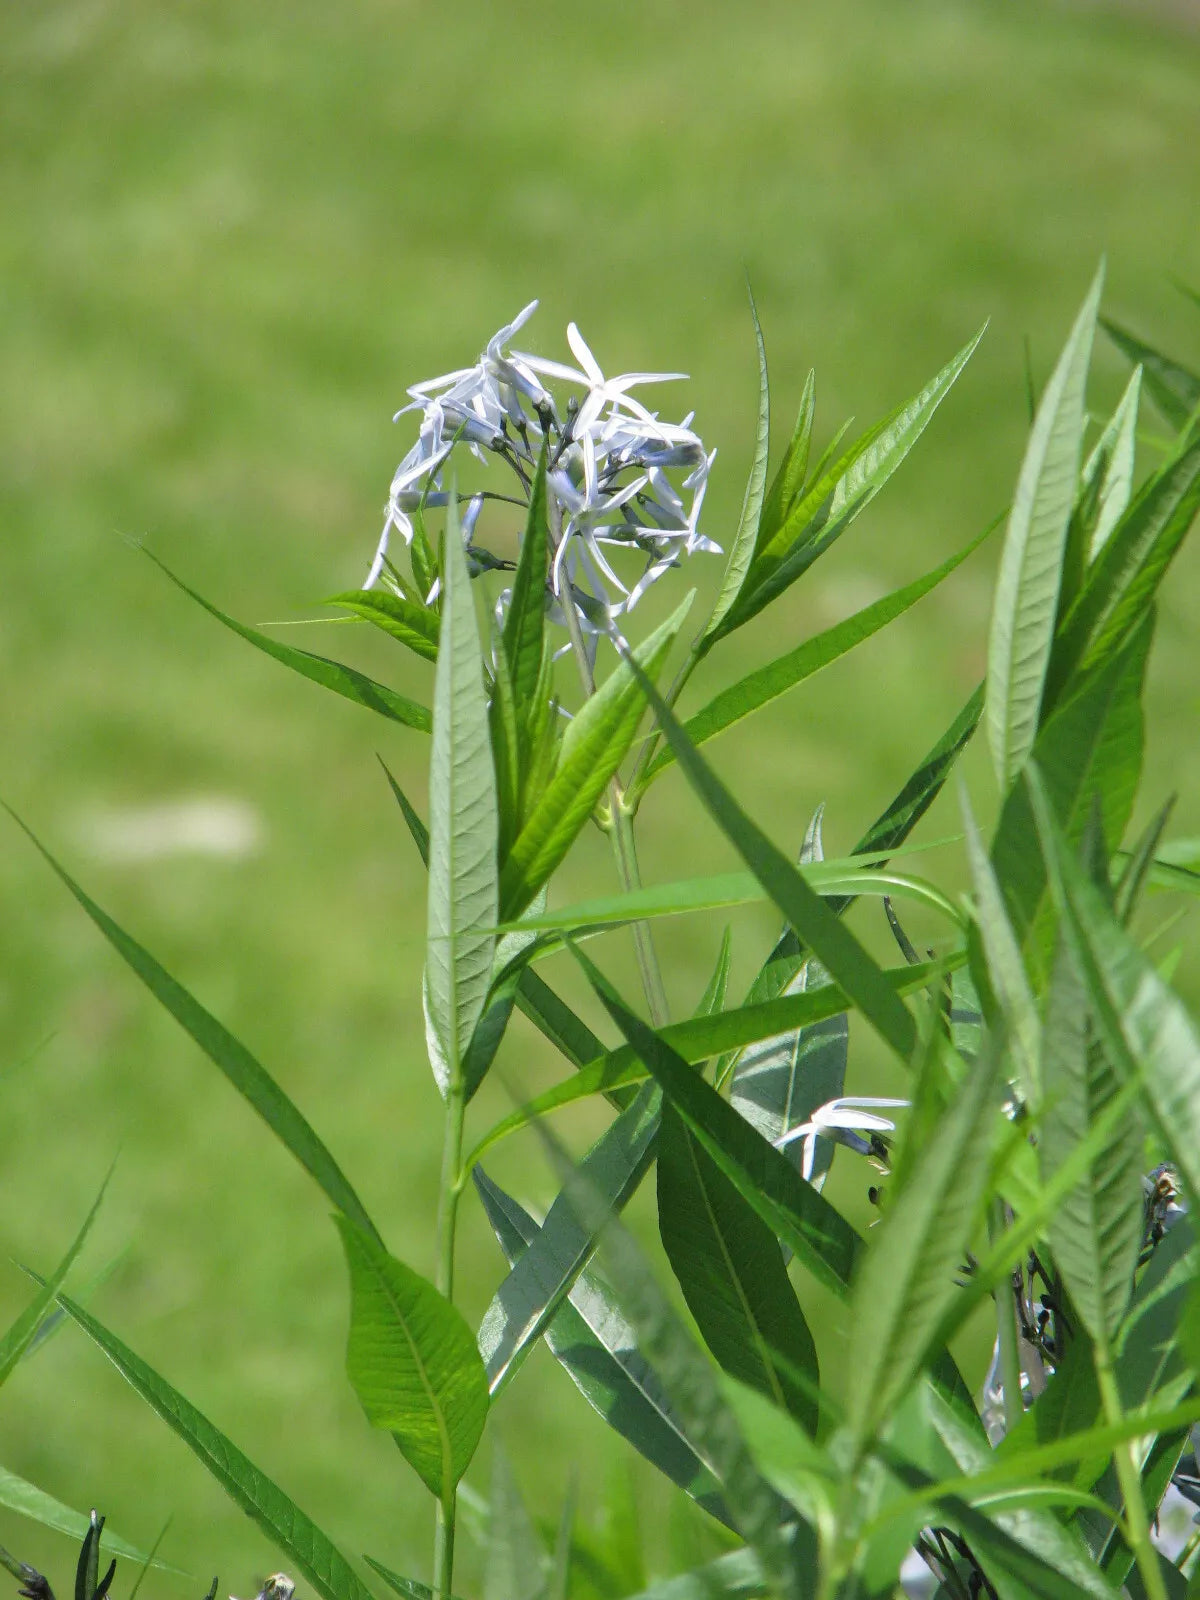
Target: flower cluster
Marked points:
618	478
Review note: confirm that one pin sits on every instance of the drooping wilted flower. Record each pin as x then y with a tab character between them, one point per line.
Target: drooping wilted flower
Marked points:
620	480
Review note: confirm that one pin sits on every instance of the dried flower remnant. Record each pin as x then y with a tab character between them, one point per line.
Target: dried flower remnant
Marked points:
621	482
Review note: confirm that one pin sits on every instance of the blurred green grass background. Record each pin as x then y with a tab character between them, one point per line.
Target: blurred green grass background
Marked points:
231	236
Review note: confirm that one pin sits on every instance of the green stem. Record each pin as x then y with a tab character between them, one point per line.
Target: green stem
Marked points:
1006	1333
625	848
1137	1524
451	1188
635	788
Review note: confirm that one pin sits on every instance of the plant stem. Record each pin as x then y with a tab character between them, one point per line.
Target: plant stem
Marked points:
625	848
1137	1524
452	1141
635	788
624	845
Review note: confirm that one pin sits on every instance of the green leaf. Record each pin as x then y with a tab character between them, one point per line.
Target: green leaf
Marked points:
735	1576
849	877
1005	966
516	1557
839	951
799	1216
463	833
701	1037
715	991
27	1500
525	624
783	1450
306	1547
1092	744
556	1021
1096	1233
745	540
765	684
406	1588
1174	390
779	1082
907	1277
730	1268
1112	461
1124	579
24	1330
529	1298
594	747
413	1362
1027	587
414	625
828	507
224	1051
333	675
693	1387
895	824
503	725
418	832
793	469
595	1344
1145	1026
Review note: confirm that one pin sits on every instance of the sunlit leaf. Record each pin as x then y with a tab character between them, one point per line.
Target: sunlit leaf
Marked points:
248	1077
352	685
731	1270
1027	586
463	828
1174	390
765	684
280	1518
413	1362
413	625
745	539
594	1342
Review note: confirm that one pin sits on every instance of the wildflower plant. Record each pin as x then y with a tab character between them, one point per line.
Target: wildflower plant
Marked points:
1036	1179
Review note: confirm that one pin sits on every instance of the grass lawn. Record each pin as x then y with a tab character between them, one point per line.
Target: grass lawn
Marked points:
232	235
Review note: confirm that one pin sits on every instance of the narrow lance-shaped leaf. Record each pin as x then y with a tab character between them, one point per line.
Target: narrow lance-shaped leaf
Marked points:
593	748
1113	458
413	1362
1123	580
526	1302
346	681
694	1390
24	1330
1174	390
413	625
463	831
793	469
780	1082
823	513
524	626
839	951
27	1500
595	1344
799	1216
760	687
1096	1233
305	1546
731	1270
534	997
248	1077
703	1036
1027	587
1005	966
1144	1025
745	540
907	1277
